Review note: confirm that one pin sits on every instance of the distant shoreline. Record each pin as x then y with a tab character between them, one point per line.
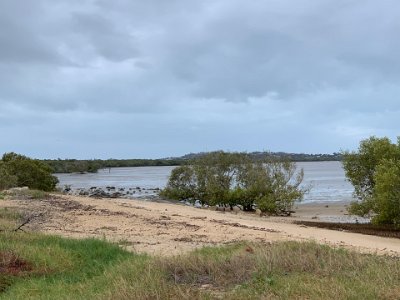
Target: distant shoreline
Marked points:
93	165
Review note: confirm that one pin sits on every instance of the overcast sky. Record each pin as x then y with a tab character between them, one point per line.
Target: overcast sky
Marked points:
155	78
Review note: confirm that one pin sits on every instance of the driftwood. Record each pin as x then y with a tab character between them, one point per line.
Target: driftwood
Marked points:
26	221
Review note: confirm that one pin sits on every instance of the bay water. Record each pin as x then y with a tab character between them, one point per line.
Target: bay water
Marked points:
327	180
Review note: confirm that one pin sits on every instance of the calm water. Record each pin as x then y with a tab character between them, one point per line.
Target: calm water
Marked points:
326	178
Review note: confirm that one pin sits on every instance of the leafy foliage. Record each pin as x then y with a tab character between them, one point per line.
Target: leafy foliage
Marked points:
374	171
17	170
181	184
7	180
387	193
229	179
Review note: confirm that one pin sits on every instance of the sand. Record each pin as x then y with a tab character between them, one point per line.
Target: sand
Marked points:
171	229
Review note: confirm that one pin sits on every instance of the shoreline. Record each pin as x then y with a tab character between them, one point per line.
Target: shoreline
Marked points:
333	211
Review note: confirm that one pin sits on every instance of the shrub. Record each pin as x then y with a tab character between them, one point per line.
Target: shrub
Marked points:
19	170
387	193
360	166
181	184
374	171
6	179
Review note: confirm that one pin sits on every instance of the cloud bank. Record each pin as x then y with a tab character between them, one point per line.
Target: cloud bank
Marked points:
100	79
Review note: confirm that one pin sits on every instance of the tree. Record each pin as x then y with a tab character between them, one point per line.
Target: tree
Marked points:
215	173
6	179
230	179
283	189
181	184
387	193
360	166
28	172
373	171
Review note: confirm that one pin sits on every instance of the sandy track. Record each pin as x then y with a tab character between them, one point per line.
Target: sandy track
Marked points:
168	229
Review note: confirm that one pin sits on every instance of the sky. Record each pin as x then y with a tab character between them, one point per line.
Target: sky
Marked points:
150	79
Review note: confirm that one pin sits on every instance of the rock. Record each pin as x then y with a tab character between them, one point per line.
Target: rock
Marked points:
236	209
116	195
83	193
220	208
99	194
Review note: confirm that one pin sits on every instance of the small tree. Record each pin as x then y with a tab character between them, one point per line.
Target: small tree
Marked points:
215	173
284	187
360	166
374	172
387	193
181	184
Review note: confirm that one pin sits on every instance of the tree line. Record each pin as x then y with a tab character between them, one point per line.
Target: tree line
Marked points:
92	166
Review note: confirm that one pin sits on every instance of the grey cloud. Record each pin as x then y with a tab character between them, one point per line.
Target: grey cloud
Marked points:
104	37
168	77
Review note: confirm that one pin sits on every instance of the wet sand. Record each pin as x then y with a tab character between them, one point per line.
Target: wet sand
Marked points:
170	229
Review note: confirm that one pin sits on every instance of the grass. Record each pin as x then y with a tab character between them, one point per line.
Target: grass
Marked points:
37	266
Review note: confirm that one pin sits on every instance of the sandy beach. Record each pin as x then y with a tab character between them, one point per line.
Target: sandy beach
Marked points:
168	229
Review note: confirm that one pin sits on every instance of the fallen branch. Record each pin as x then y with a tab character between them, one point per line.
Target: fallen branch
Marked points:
26	221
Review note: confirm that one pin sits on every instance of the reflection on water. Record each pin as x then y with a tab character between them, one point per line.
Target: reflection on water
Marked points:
327	180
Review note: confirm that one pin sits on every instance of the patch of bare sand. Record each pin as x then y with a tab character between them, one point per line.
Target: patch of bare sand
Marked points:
169	229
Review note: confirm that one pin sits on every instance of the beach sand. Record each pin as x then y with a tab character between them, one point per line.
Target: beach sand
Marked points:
169	229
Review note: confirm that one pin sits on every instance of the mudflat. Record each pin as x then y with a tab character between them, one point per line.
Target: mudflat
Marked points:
163	228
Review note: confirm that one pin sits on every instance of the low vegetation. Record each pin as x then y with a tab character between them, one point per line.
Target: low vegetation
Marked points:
374	171
19	171
37	266
230	179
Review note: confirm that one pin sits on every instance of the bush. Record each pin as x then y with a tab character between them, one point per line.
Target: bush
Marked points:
181	184
229	179
18	170
387	193
374	171
6	179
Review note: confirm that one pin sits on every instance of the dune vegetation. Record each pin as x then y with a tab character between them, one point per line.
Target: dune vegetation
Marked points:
38	266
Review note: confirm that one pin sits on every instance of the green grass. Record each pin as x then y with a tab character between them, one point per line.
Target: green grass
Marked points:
57	268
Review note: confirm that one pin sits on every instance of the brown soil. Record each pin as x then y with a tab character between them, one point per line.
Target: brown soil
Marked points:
369	229
10	264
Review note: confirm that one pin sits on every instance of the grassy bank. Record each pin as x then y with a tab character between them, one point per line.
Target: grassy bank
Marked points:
36	266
